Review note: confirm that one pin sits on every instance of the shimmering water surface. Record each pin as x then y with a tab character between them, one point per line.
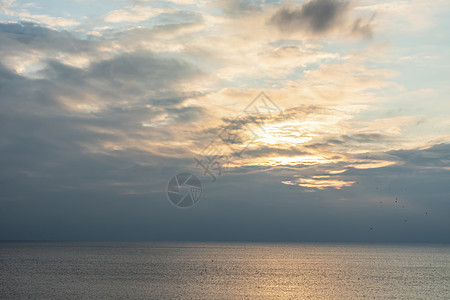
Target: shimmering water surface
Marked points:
223	271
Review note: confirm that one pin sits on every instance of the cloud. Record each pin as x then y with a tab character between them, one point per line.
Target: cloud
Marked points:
318	17
103	122
57	143
432	157
99	108
9	7
25	45
6	6
48	20
362	28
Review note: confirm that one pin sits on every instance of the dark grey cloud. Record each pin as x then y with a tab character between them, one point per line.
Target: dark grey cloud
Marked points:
26	30
173	100
359	138
143	71
318	17
437	156
362	27
16	38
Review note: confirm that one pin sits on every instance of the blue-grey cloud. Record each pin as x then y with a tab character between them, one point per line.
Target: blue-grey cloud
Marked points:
77	163
46	142
16	38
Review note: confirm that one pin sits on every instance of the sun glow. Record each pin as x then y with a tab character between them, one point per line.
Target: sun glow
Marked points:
320	182
283	134
291	160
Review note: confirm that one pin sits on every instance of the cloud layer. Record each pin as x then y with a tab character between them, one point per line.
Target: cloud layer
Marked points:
98	114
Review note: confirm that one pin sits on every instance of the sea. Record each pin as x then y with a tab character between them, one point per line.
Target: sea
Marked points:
223	271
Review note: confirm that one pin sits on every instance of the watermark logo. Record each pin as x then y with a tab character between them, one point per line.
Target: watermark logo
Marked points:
228	146
235	138
184	190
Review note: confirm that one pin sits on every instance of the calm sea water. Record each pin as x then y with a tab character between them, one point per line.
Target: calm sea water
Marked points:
223	271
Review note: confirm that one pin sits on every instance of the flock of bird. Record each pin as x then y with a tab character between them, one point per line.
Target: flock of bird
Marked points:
396	202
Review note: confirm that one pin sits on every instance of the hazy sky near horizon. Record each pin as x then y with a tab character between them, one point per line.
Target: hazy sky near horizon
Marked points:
102	102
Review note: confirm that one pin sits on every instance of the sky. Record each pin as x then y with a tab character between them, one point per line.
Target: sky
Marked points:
304	121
